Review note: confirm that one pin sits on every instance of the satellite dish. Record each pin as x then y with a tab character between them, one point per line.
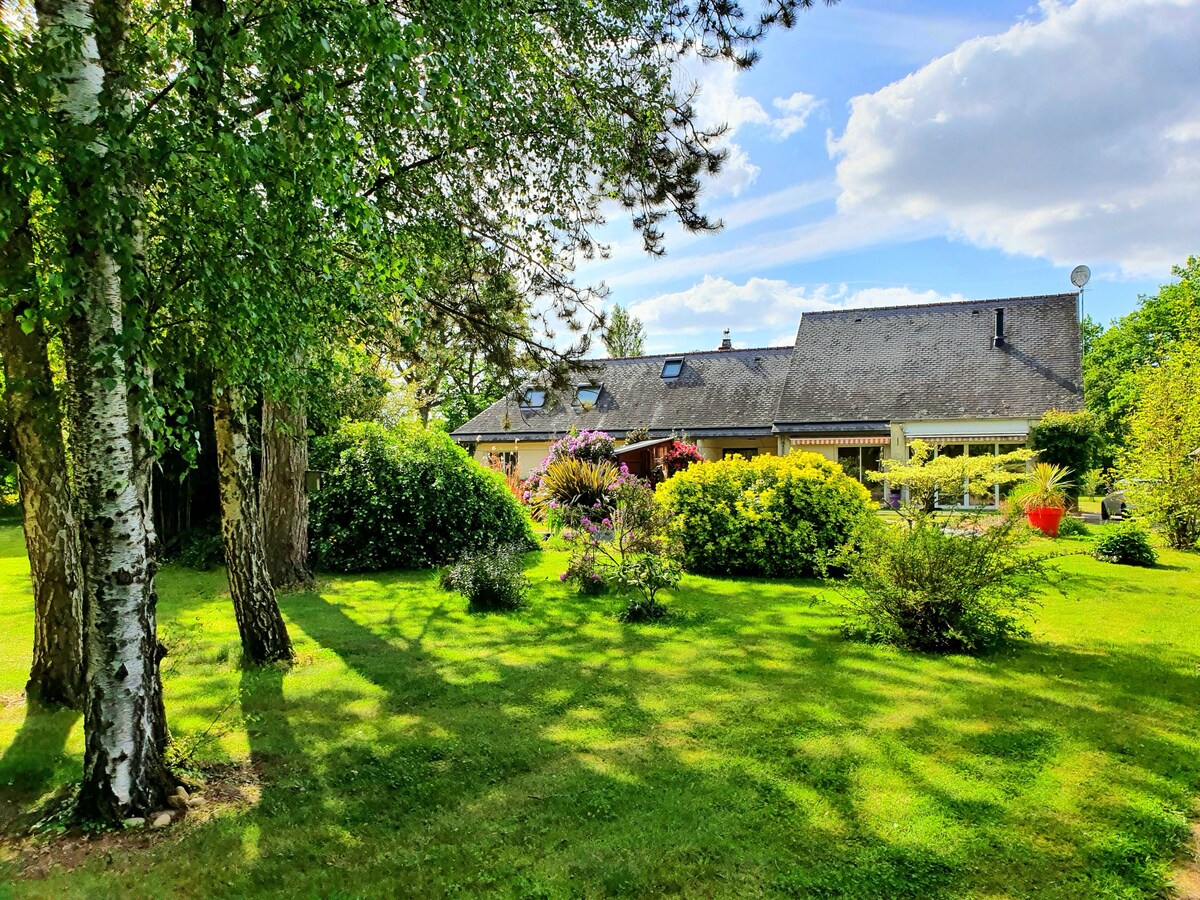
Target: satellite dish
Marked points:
1080	276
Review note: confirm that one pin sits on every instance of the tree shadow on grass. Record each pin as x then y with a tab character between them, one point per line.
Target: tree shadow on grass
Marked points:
28	765
471	794
34	760
557	753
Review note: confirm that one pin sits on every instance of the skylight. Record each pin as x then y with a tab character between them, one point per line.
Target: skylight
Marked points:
587	394
672	367
533	398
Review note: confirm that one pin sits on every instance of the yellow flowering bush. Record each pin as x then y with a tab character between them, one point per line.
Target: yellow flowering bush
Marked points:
771	515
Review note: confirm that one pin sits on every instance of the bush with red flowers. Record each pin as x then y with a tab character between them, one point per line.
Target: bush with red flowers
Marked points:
679	455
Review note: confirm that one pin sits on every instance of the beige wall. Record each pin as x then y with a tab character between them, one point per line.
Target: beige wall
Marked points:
714	448
529	453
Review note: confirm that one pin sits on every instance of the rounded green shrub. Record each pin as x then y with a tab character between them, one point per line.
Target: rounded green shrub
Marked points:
491	580
1126	544
407	497
771	515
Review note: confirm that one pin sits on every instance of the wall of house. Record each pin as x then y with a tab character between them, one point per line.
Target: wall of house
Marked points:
714	448
529	453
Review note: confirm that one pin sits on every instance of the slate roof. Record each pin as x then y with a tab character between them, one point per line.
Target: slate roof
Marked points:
718	392
934	361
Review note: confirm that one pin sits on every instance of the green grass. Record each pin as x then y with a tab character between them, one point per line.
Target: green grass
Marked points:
743	748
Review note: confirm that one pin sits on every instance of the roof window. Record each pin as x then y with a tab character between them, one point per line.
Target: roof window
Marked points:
533	398
586	395
672	367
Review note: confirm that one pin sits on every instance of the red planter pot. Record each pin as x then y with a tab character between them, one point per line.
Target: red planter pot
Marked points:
1045	519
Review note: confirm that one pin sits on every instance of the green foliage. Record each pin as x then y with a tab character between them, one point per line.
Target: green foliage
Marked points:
1068	440
625	546
1072	527
1045	485
944	587
1112	359
491	580
406	498
637	434
1161	462
625	334
352	387
925	475
1126	544
201	549
577	484
644	576
771	515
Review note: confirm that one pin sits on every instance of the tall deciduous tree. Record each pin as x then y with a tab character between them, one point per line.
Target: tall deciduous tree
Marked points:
1162	461
125	730
284	491
250	178
51	535
625	334
1112	358
260	624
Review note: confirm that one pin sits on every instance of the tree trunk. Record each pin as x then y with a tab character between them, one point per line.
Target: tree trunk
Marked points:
264	636
124	770
284	492
51	538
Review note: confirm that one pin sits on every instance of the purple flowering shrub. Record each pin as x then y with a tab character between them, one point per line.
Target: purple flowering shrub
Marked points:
588	446
624	547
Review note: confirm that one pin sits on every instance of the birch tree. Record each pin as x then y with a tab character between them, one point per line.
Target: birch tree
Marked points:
125	730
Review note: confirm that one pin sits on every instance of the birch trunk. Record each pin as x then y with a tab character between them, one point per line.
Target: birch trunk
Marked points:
51	536
124	770
284	492
264	635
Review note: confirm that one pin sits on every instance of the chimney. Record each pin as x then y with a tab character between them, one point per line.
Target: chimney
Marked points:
998	341
726	343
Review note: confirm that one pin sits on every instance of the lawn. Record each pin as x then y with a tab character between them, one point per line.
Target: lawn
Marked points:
742	748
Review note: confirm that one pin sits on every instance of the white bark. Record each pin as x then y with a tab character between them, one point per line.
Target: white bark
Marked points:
124	773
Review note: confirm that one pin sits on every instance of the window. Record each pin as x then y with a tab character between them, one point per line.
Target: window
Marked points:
858	461
672	367
977	448
504	461
747	452
947	498
587	395
533	398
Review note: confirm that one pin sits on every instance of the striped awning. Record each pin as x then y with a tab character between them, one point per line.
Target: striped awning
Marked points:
844	441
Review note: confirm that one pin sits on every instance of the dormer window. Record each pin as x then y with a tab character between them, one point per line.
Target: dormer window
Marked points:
672	367
587	394
533	398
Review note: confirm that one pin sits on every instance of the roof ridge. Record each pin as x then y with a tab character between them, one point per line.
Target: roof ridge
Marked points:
939	305
606	359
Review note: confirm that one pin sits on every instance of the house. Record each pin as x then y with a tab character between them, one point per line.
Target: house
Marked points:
857	385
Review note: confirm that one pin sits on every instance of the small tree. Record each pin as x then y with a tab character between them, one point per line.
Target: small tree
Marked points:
1068	440
625	334
925	475
1161	461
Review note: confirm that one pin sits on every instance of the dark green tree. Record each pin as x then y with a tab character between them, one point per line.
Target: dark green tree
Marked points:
1067	439
1111	360
625	335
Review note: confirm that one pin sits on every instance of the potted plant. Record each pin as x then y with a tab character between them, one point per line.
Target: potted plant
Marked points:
1044	497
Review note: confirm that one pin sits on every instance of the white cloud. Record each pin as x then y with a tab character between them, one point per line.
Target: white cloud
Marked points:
796	109
766	308
822	239
1075	138
717	102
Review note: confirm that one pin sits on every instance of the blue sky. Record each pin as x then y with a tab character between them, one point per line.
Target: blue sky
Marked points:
903	152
